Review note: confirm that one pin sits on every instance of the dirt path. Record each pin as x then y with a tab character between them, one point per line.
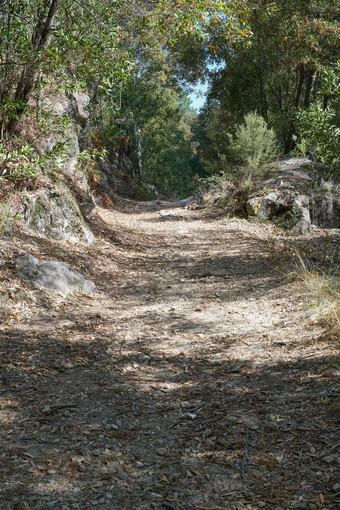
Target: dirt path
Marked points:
194	379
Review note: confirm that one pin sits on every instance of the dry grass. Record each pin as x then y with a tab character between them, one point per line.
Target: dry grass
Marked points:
323	289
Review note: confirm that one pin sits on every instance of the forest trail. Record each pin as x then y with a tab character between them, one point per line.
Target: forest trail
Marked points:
193	380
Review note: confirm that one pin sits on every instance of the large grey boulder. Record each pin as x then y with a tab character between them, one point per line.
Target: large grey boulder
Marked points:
54	213
296	199
285	204
57	277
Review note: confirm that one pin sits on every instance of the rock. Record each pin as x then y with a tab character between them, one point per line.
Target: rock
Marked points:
79	104
111	426
286	204
269	205
54	213
84	199
70	167
295	201
73	106
325	210
156	496
57	277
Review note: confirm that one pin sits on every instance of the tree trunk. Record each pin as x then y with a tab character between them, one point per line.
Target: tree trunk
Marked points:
137	152
27	79
264	101
310	85
300	78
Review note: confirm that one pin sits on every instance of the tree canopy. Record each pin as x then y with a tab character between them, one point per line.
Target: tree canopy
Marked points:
137	61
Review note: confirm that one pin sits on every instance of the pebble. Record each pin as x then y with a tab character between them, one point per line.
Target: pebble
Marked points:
328	459
186	405
111	426
229	385
161	451
154	495
232	419
190	415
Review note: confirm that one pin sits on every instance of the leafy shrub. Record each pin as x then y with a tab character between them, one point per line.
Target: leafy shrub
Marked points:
320	136
319	126
253	147
22	162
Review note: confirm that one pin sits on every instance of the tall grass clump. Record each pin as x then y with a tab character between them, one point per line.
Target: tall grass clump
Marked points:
323	290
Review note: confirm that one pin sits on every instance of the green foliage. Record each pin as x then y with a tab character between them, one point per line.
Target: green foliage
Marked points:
276	70
319	125
253	146
149	122
20	162
248	156
111	49
320	136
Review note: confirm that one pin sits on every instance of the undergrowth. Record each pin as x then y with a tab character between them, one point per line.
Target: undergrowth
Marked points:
253	149
323	288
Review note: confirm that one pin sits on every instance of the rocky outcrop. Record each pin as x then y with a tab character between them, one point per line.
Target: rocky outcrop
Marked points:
57	211
285	204
295	201
75	107
54	213
325	210
57	277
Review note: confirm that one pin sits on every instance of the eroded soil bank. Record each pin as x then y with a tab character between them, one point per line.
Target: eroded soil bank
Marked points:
193	379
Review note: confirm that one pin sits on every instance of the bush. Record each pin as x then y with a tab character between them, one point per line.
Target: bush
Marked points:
319	125
253	147
319	136
21	161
